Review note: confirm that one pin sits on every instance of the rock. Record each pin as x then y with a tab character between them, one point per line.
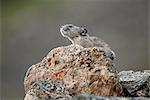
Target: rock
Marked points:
92	97
43	90
78	70
135	83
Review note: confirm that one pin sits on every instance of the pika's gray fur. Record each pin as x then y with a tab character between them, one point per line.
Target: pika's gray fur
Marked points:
78	35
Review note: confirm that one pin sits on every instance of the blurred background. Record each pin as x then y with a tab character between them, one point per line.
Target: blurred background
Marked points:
30	29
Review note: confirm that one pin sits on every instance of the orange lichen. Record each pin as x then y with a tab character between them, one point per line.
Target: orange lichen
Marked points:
57	74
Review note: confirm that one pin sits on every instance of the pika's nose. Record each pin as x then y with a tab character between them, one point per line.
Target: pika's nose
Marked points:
66	28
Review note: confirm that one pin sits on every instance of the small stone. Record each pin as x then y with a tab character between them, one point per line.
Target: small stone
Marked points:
136	83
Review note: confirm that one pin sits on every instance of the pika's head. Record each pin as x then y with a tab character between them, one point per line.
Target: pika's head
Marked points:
71	31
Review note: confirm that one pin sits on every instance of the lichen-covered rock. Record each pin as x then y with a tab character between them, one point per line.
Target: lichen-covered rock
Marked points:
43	90
78	69
135	83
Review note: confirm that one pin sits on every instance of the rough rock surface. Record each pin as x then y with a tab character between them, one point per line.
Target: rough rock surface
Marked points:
135	83
92	97
43	90
78	70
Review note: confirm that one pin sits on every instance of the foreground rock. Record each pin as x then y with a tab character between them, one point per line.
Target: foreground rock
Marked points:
77	70
92	97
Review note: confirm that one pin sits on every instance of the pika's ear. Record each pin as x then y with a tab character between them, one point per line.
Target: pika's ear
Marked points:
83	32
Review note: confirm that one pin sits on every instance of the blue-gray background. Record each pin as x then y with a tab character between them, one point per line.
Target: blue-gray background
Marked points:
30	29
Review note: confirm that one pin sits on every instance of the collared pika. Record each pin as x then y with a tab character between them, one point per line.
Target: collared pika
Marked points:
78	35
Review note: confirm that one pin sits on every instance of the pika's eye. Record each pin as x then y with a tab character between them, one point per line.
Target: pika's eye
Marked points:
70	26
83	32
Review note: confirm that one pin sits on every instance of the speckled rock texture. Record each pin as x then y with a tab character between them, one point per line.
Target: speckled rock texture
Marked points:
92	97
43	90
135	83
78	70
